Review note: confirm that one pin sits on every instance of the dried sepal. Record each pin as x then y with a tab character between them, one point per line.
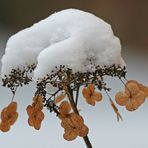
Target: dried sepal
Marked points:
84	131
90	95
121	98
70	135
64	109
59	98
4	126
132	97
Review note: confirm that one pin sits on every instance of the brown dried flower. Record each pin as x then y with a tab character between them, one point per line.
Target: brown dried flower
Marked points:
35	117
141	87
74	126
91	95
132	97
8	116
35	113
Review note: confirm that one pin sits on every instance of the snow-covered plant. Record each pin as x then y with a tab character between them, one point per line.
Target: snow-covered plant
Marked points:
68	53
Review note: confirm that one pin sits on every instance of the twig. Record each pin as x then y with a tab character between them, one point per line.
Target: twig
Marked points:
77	95
13	92
114	107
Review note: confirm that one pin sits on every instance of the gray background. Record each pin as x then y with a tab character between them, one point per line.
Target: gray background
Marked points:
129	21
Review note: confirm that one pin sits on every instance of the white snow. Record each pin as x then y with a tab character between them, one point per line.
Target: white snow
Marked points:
70	37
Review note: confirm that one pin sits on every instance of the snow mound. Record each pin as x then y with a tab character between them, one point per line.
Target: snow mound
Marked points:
91	42
74	38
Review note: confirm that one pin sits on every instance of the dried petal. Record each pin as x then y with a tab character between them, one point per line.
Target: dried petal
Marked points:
70	135
144	89
129	106
5	126
140	98
64	108
141	87
76	120
13	118
91	88
38	98
91	101
4	114
84	131
66	124
86	93
29	110
37	124
39	106
97	96
40	115
59	98
134	103
31	121
121	98
131	88
12	107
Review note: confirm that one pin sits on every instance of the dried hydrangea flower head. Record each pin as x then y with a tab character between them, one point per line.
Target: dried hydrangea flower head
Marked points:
90	95
35	113
141	87
9	116
132	97
74	126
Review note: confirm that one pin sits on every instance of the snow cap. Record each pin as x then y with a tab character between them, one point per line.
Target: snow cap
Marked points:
74	38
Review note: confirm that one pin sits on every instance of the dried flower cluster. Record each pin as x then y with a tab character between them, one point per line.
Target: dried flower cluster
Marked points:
9	116
90	95
35	113
133	96
18	78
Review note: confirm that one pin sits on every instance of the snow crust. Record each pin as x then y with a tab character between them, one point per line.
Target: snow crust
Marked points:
74	38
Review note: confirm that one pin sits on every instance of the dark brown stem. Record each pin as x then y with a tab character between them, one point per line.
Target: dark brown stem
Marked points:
71	99
87	142
77	95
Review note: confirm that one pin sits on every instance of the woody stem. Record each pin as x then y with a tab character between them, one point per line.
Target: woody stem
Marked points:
71	99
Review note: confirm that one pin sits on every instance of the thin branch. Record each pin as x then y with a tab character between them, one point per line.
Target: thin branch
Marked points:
13	92
52	95
114	107
77	95
125	85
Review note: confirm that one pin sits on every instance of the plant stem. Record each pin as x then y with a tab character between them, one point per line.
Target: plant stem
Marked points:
71	99
77	95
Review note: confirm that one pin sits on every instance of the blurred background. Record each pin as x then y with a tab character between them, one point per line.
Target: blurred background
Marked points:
129	20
